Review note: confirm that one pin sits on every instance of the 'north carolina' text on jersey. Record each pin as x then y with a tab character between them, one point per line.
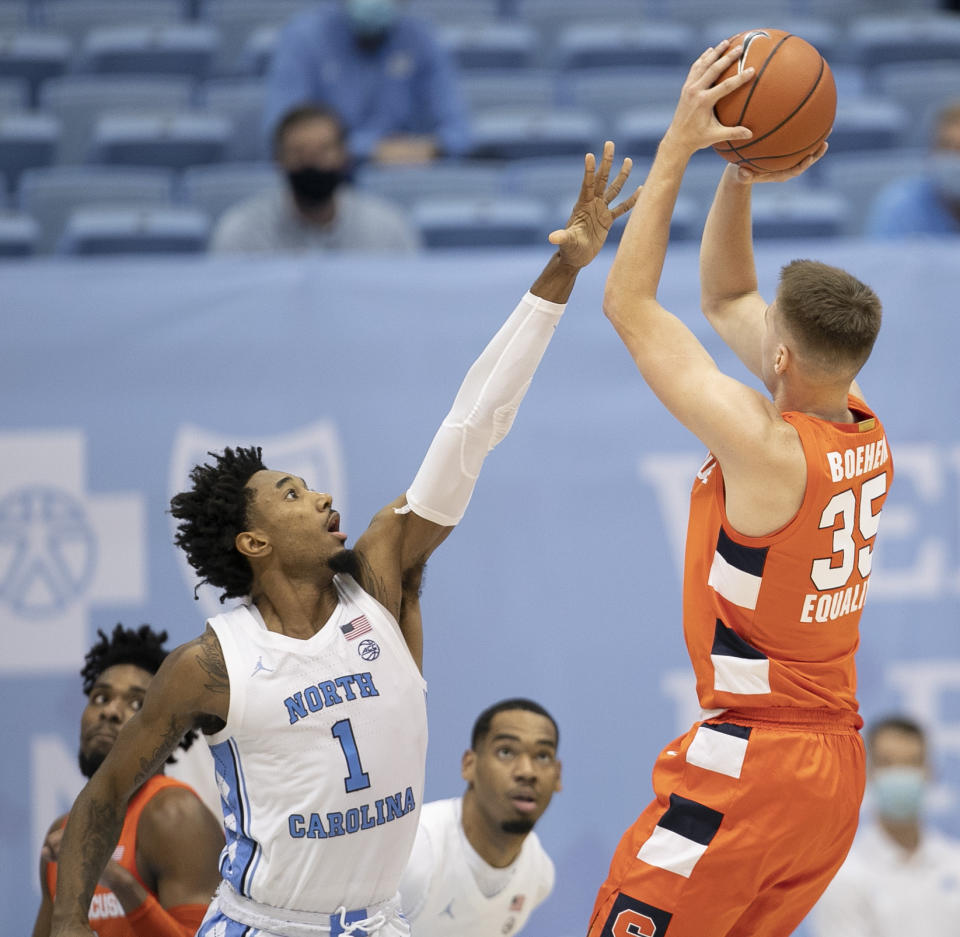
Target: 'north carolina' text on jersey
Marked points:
774	621
321	764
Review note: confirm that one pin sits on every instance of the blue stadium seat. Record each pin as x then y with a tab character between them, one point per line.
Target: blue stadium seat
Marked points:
609	92
242	101
907	37
19	234
236	21
698	12
103	230
152	139
488	88
639	130
868	123
49	195
33	56
550	17
76	18
825	35
611	44
492	45
923	88
214	189
466	222
456	12
257	51
26	139
554	179
444	179
514	133
859	176
786	213
78	100
15	15
14	94
163	49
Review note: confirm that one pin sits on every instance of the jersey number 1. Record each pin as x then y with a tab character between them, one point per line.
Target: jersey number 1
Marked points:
357	779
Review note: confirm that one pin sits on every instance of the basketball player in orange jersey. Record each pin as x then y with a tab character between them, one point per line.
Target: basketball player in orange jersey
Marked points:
757	804
164	871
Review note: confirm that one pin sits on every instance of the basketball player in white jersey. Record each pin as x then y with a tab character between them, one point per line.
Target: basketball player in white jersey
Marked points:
310	692
477	868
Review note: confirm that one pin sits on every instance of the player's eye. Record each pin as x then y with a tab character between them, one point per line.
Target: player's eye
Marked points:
290	494
136	704
98	698
545	758
504	752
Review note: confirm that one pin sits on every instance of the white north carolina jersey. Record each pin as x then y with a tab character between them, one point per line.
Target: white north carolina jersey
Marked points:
320	766
439	893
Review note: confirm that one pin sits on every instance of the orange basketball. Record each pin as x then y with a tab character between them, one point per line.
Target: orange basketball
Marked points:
789	105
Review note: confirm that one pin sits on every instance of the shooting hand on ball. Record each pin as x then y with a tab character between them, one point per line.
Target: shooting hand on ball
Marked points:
748	176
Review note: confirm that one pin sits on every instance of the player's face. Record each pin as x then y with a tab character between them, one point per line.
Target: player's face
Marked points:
296	521
115	697
514	771
894	748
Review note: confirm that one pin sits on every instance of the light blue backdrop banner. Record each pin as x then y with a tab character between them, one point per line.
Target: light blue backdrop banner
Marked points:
563	581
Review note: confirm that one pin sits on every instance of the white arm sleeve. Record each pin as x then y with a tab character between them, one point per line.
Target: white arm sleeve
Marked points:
483	412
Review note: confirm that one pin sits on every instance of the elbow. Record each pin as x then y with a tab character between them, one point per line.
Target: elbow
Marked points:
612	304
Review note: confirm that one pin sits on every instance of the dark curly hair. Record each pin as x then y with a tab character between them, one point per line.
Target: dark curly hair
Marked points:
142	647
212	513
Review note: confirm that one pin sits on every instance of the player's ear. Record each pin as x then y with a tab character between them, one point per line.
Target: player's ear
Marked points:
781	359
251	544
468	764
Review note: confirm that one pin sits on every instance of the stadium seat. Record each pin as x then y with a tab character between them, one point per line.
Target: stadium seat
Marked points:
78	100
26	139
491	45
512	133
868	123
15	15
906	37
488	88
257	51
608	92
214	189
479	222
242	101
236	21
611	44
859	176
551	17
923	88
785	213
555	180
33	56
49	195
639	130
698	12
443	179
19	234
136	230
76	18
456	12
14	94
159	139
821	33
164	49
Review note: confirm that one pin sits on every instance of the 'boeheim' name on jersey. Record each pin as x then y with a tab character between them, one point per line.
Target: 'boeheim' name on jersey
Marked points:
320	766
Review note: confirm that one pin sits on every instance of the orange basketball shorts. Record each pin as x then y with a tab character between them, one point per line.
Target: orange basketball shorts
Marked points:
750	823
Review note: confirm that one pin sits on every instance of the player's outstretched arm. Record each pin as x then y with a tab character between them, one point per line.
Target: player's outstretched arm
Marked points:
728	277
190	686
405	533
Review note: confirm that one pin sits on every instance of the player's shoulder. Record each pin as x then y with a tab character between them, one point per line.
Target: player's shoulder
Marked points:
173	806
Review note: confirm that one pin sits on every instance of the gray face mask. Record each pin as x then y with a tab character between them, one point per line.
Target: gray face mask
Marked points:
372	18
899	792
945	170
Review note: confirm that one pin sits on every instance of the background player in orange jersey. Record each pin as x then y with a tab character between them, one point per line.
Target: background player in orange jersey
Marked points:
164	871
757	804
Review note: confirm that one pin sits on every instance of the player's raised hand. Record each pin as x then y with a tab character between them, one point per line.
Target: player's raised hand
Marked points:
747	175
694	125
586	230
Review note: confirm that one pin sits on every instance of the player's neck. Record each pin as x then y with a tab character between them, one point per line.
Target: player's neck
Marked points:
823	402
496	847
298	609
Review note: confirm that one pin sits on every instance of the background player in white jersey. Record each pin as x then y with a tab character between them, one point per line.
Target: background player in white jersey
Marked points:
311	694
477	867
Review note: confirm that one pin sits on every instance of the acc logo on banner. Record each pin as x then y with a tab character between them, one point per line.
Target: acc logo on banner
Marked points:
62	550
313	452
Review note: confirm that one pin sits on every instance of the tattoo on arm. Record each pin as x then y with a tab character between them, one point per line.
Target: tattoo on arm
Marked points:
171	739
100	824
212	663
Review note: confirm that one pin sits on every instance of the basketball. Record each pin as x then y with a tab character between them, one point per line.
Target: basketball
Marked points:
789	105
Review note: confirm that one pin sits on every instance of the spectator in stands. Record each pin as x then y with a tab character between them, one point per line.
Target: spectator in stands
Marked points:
384	72
928	204
900	877
316	208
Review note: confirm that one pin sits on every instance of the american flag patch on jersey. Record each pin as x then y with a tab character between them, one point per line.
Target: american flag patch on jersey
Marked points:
517	903
355	628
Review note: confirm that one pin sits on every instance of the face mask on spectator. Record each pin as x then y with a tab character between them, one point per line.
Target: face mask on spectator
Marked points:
314	187
372	18
899	791
945	168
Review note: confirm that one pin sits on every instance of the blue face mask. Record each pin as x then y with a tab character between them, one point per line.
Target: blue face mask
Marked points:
898	792
372	18
945	169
